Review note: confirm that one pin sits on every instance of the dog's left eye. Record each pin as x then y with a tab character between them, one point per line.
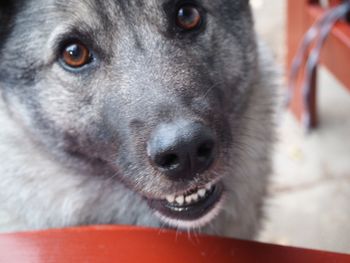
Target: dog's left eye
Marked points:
188	17
75	55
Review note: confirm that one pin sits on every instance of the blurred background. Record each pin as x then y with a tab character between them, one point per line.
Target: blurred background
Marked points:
309	203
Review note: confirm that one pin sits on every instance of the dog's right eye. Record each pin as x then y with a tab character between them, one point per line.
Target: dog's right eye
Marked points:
75	55
188	17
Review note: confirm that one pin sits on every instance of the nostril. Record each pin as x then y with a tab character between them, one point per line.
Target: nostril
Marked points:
205	150
168	161
182	150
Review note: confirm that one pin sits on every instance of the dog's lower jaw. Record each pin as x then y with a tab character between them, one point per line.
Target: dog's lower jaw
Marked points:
192	224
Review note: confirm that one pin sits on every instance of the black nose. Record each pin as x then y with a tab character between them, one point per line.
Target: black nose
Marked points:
182	150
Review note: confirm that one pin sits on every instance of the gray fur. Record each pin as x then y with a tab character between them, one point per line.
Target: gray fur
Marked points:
72	145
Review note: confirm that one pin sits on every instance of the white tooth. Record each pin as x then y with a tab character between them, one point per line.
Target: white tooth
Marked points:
180	199
209	186
188	199
170	198
202	192
194	197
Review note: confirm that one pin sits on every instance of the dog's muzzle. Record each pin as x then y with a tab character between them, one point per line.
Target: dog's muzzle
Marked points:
182	151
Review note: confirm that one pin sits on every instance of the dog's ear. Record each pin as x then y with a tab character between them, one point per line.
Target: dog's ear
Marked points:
7	12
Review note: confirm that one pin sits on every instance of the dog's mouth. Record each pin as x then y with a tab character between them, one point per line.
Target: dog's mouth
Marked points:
193	208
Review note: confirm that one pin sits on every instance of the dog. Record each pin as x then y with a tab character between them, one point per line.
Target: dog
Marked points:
153	113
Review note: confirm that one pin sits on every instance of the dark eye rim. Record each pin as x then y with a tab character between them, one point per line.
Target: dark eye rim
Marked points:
72	69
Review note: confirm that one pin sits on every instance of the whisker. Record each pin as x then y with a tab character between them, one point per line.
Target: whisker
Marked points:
211	88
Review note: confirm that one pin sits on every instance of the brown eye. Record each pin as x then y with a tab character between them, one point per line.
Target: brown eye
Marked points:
188	17
76	55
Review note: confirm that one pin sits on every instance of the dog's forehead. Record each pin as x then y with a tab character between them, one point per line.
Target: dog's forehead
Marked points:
105	13
107	7
129	8
112	12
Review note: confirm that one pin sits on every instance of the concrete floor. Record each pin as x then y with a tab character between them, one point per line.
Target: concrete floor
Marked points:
310	192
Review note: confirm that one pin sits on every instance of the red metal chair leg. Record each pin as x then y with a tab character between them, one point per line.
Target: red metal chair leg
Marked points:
335	55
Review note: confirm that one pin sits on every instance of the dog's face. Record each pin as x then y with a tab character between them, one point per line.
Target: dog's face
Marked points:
148	92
